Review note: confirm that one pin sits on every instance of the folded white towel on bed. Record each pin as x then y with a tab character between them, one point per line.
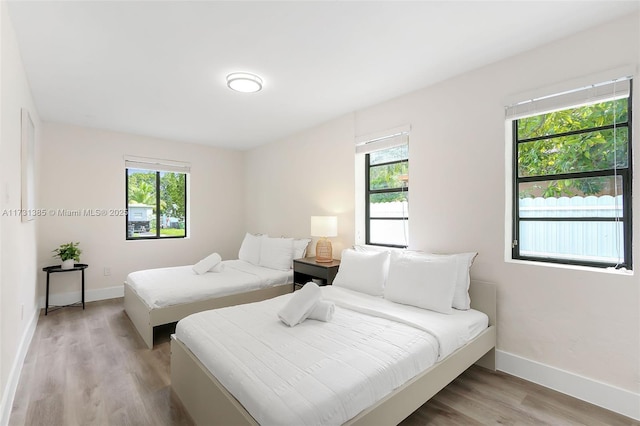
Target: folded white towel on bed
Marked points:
209	263
322	311
300	305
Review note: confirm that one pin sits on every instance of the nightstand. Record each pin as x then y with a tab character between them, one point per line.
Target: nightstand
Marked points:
306	269
58	268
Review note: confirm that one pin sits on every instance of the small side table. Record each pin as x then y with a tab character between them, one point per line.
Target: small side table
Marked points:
306	269
58	268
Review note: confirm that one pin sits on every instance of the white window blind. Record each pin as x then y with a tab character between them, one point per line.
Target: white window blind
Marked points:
156	164
600	92
382	140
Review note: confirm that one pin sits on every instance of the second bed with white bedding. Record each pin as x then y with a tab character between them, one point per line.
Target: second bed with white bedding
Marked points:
164	287
154	297
317	372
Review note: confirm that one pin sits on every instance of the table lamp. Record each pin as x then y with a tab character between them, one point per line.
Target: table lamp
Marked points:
323	227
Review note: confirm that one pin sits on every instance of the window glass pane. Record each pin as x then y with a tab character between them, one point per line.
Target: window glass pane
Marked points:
585	241
389	232
584	117
577	153
172	204
581	191
389	176
143	195
141	203
396	153
390	204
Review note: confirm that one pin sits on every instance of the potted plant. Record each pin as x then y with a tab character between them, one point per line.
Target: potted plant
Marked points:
69	254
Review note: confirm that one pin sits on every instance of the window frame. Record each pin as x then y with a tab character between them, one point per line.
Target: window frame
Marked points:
157	205
368	192
625	174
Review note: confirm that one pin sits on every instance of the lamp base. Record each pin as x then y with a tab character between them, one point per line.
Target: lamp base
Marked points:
324	251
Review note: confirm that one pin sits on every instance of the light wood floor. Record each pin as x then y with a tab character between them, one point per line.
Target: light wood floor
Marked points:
91	368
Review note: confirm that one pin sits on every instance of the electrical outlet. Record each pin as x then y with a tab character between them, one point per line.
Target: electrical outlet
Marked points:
107	271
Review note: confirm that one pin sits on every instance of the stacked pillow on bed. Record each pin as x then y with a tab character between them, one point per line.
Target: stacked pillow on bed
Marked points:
274	253
306	303
209	263
438	282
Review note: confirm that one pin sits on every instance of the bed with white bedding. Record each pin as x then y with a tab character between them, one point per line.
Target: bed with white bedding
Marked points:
158	289
161	296
322	372
375	362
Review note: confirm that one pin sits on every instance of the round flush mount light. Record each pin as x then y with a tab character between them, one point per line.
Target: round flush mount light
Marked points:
244	82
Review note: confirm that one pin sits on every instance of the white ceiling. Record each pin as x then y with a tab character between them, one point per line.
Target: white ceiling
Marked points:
158	68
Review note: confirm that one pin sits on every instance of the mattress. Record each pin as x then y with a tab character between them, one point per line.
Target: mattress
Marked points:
322	373
164	287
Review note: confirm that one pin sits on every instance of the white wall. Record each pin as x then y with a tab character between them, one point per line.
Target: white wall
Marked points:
310	174
83	168
18	298
581	321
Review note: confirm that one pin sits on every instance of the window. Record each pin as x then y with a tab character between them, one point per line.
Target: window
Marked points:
387	195
156	201
572	177
386	189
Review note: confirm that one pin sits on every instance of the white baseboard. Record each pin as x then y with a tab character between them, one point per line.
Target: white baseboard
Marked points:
601	394
9	392
61	299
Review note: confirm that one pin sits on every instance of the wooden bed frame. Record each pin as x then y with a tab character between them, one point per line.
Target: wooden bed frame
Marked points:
208	402
145	318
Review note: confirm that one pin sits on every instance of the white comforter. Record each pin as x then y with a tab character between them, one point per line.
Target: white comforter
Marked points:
171	286
322	373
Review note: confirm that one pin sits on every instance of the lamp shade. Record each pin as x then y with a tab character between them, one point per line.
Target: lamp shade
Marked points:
324	226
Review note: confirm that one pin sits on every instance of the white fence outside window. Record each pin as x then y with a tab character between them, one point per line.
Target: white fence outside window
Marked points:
394	232
594	241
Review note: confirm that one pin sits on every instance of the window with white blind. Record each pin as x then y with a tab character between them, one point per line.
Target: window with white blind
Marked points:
156	197
572	176
386	188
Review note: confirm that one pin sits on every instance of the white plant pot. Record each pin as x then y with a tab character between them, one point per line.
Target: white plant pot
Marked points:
68	264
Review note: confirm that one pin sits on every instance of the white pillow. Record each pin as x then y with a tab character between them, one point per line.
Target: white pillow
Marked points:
375	249
365	272
276	253
250	248
461	299
427	283
300	247
209	263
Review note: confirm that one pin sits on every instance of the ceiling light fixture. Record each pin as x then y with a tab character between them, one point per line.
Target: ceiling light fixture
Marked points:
244	82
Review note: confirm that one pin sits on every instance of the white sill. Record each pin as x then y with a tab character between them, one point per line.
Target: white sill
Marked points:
623	272
156	239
